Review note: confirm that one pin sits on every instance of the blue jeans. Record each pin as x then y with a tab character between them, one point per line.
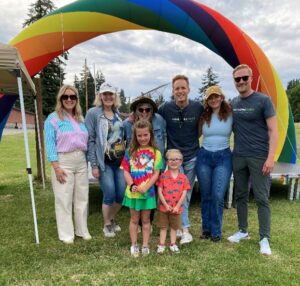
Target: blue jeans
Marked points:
112	184
213	172
189	171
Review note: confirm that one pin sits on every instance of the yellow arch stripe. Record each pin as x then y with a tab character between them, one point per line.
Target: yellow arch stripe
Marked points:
76	22
282	112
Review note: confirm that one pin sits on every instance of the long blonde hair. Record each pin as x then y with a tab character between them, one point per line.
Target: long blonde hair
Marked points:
134	145
59	108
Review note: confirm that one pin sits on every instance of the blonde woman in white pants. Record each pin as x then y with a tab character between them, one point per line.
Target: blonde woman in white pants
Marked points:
66	144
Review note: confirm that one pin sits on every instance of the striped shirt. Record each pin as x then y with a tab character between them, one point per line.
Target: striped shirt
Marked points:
63	136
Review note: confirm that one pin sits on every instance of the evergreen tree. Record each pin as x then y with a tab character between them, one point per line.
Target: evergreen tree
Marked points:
52	76
125	106
99	79
293	83
208	79
38	10
159	100
86	78
76	82
293	93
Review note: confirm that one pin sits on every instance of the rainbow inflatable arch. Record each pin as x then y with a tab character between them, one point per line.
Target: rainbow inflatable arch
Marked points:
85	19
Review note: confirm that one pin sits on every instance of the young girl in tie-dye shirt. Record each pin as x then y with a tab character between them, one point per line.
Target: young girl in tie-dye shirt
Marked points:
141	165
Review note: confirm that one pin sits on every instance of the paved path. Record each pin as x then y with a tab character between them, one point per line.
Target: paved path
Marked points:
12	131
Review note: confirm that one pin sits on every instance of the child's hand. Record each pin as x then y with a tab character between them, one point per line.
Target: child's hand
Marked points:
175	210
134	189
141	189
168	208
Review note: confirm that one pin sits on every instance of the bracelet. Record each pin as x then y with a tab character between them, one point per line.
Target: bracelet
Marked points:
131	186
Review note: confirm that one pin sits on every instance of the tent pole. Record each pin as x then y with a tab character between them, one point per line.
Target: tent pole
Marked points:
39	142
29	171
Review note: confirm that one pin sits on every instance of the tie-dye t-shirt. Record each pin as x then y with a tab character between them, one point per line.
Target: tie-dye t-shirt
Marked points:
141	167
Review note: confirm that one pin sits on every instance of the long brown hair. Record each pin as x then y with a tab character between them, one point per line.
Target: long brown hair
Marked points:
134	144
224	112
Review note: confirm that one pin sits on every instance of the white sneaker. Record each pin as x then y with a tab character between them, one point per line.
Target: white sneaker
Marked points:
161	249
68	241
186	238
238	236
115	226
145	250
179	233
265	248
87	237
108	231
134	250
174	248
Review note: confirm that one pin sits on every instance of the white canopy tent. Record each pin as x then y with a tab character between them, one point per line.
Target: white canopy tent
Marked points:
14	78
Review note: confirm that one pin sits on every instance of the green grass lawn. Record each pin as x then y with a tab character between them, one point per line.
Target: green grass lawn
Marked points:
107	261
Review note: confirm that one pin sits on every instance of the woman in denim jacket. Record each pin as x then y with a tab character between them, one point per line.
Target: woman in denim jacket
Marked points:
106	148
143	107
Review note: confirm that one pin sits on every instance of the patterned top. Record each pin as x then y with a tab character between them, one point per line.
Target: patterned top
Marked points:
115	148
172	189
141	167
64	136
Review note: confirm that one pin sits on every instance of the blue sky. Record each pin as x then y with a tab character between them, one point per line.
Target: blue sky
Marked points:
138	61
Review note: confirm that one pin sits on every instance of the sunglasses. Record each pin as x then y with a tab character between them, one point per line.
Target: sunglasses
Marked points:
244	78
141	110
66	97
174	159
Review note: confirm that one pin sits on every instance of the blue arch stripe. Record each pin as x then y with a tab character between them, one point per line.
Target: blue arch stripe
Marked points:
177	17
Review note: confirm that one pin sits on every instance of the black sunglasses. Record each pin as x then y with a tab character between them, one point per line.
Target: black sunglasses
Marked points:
141	110
244	78
66	97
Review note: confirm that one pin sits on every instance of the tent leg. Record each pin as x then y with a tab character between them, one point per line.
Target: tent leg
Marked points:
40	144
27	156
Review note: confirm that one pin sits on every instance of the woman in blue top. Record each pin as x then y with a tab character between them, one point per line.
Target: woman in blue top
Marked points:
106	149
214	161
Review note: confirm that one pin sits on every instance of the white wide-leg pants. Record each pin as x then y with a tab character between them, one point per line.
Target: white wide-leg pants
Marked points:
74	192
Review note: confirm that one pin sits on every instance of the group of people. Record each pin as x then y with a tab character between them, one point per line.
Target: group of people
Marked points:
149	161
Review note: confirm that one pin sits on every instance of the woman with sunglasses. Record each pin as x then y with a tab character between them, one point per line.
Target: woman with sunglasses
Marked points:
66	144
144	108
214	161
106	149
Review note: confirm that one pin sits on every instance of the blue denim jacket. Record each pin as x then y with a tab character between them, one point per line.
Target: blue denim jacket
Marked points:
97	127
159	129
